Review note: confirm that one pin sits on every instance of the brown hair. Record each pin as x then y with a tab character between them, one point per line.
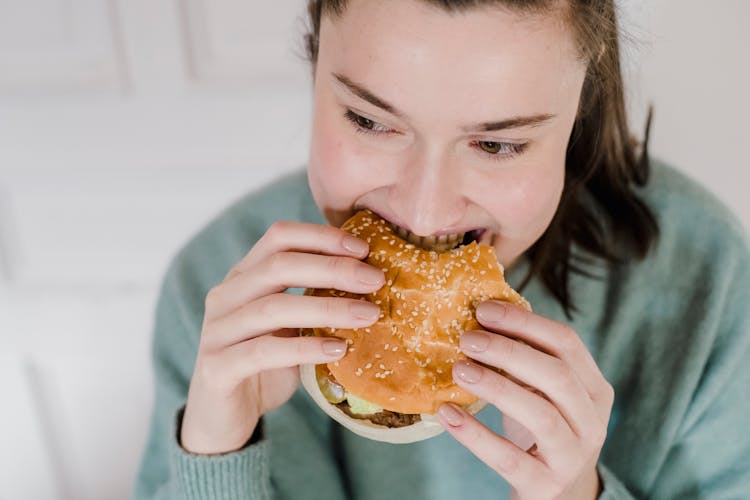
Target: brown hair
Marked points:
599	210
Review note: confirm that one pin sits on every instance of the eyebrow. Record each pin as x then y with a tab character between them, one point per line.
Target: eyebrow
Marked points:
509	123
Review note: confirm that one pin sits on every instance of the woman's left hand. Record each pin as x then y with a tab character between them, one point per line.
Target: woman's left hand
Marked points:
551	386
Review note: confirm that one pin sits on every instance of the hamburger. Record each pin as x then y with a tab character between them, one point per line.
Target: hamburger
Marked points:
397	372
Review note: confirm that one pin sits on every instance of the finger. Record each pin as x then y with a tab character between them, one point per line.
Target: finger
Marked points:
281	310
523	471
554	338
269	352
550	375
285	236
554	436
284	270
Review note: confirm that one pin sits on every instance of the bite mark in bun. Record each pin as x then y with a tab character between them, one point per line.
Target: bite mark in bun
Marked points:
399	370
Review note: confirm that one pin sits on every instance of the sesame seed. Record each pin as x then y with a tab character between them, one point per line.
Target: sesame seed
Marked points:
392	398
368	366
381	366
378	356
358	372
386	346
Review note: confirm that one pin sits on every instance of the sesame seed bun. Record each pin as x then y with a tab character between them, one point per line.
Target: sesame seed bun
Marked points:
403	363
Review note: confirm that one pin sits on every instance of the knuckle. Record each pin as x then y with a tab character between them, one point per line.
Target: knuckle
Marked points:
213	297
502	310
608	392
299	348
505	347
337	266
268	306
597	437
276	263
548	419
508	463
563	376
209	370
518	316
569	340
331	307
277	229
260	350
275	234
498	383
322	232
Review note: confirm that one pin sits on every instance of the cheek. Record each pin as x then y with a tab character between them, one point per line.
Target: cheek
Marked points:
526	204
337	166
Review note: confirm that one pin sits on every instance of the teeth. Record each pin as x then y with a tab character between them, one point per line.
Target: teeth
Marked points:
437	243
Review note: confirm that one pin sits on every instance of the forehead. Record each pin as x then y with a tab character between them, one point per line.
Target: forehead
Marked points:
408	52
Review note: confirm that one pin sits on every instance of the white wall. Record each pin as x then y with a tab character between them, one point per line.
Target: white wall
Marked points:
125	125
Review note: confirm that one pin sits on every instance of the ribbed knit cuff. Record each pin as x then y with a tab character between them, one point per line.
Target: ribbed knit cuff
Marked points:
242	474
613	489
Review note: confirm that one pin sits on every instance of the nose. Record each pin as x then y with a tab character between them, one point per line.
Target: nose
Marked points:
427	197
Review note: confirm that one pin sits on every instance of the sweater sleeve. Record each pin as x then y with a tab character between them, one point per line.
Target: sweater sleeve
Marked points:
710	457
167	471
612	487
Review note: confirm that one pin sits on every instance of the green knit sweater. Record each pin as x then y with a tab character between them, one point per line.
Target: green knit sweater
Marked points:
670	333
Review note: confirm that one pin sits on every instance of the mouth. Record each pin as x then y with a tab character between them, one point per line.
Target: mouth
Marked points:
443	243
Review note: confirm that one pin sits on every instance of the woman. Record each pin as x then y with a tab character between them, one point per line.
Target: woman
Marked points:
444	116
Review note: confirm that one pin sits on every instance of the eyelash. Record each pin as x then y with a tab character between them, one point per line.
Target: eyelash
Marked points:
512	149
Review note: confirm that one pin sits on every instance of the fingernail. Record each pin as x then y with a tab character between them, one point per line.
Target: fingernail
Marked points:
468	371
365	310
355	245
490	312
370	276
451	414
334	347
474	341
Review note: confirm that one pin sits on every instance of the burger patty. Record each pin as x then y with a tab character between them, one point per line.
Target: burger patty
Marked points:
386	417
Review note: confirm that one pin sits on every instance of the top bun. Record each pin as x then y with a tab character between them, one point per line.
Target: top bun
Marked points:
403	362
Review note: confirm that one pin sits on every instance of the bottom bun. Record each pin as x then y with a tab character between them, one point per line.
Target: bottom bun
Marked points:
429	425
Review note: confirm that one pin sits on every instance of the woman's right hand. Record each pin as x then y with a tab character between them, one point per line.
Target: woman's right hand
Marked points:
250	349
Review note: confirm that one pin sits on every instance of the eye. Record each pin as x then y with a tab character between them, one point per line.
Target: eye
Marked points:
500	150
365	125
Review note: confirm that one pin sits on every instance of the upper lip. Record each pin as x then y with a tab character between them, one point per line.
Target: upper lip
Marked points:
447	232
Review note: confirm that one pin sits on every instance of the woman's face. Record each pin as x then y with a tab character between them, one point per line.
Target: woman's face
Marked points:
444	123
